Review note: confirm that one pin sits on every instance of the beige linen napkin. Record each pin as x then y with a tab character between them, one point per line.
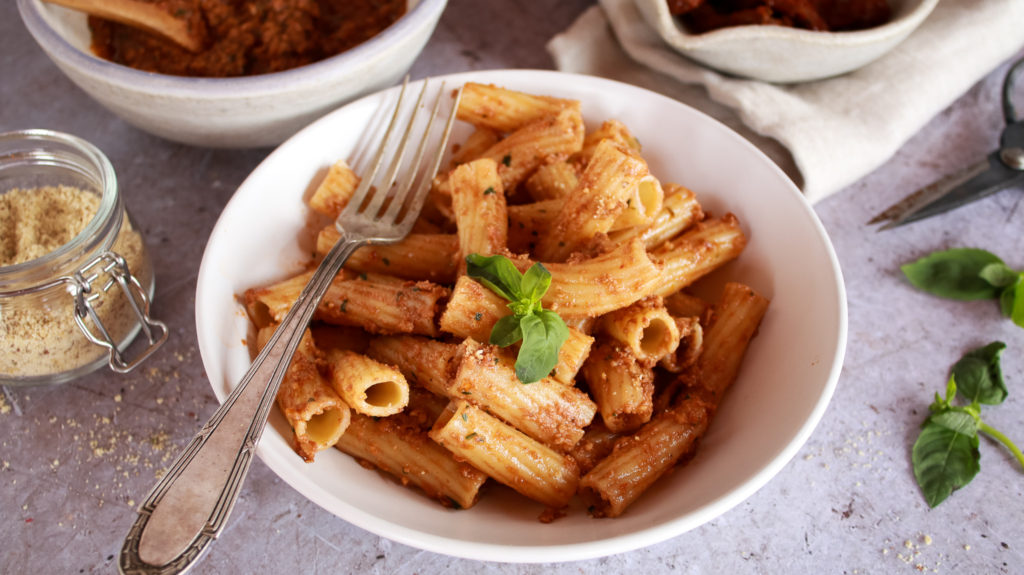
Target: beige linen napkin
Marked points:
835	131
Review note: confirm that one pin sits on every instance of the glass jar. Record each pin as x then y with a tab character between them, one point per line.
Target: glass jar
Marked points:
67	311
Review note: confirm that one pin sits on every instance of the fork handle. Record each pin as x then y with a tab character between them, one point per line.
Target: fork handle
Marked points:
187	509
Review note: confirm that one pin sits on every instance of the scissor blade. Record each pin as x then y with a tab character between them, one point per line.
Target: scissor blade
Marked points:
955	190
928	194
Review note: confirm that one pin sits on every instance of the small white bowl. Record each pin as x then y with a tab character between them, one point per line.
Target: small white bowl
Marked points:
785	55
244	112
788	374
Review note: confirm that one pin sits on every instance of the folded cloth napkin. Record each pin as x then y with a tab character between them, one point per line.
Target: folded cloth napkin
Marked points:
832	132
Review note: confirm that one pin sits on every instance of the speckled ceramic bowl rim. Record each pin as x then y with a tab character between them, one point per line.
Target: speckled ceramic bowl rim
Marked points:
287	80
898	25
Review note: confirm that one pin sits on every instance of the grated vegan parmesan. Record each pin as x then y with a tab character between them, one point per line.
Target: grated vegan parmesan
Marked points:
36	222
38	332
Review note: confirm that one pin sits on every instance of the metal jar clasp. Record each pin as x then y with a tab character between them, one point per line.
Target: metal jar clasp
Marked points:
84	293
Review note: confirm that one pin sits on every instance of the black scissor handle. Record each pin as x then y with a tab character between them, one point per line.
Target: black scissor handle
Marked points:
1013	134
1009	112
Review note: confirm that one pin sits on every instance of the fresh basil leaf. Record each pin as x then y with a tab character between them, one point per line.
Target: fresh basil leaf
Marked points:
1008	299
557	331
541	331
940	403
950	390
536	282
979	376
956	419
999	274
944	460
541	341
506	331
945	456
953	274
497	273
1017	306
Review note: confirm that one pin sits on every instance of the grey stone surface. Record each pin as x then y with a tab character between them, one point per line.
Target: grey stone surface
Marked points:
76	459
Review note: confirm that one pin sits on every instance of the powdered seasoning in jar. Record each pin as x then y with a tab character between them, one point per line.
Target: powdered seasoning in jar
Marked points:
75	279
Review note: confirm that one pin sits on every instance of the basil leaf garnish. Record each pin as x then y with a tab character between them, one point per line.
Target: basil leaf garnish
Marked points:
536	282
506	331
498	273
541	331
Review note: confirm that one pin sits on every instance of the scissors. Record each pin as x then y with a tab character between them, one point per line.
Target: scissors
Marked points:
1003	168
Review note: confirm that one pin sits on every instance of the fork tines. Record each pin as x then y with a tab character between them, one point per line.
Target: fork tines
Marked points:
395	195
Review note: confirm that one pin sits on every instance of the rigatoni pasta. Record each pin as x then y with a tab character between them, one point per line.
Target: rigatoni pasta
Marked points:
622	386
611	281
334	191
420	256
396	446
691	342
643	366
424	361
638	459
525	149
368	386
481	139
608	182
553	180
736	319
504	110
374	302
478	205
679	210
317	415
613	130
645	328
507	455
546	410
697	252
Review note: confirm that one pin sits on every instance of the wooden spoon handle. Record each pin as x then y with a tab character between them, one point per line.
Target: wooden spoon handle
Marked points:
138	15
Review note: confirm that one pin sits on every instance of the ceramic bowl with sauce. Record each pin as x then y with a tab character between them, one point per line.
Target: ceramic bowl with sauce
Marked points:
786	55
239	112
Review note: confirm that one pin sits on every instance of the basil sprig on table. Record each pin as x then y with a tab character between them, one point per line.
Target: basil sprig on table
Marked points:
542	331
970	274
945	455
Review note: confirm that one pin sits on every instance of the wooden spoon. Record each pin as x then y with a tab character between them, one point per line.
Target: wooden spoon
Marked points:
138	15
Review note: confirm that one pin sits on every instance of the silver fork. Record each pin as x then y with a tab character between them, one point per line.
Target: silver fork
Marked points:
187	509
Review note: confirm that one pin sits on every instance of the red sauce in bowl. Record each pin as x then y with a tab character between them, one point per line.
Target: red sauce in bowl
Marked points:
821	15
247	37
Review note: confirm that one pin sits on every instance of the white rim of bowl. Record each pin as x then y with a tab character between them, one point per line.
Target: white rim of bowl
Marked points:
165	84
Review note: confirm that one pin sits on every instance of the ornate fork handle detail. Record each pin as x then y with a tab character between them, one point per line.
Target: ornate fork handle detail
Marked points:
188	508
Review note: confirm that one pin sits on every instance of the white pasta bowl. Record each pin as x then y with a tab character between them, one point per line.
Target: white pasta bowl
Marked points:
243	112
783	55
781	393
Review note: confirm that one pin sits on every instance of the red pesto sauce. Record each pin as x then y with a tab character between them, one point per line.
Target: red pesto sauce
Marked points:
823	15
247	37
